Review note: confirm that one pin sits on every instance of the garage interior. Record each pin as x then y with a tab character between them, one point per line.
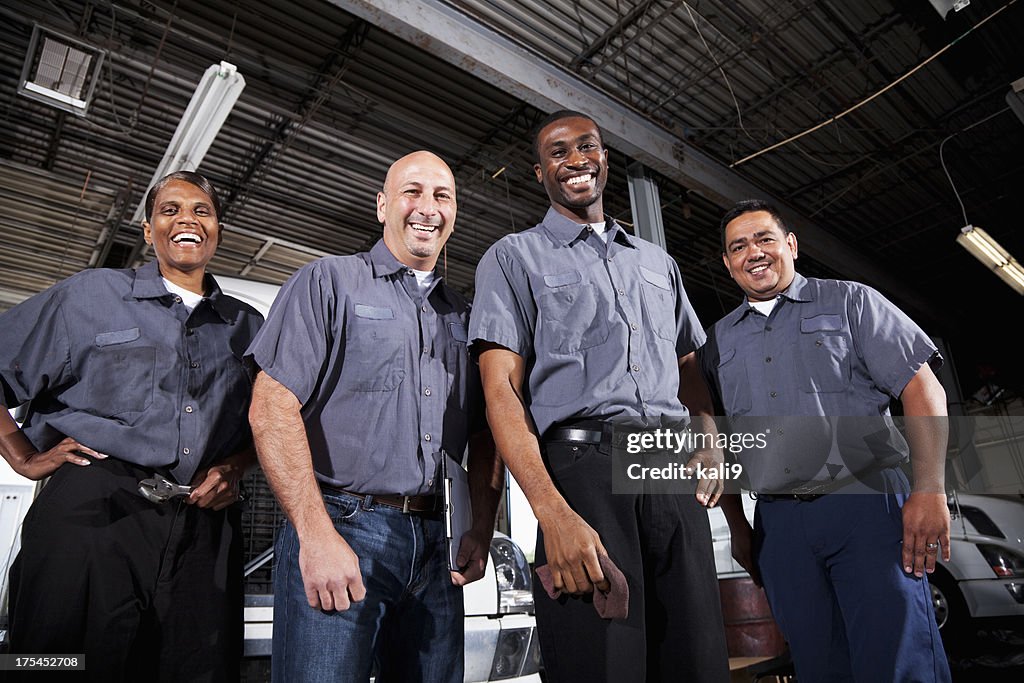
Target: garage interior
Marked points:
882	126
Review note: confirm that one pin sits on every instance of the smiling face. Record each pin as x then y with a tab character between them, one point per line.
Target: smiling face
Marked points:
759	255
184	232
417	208
573	167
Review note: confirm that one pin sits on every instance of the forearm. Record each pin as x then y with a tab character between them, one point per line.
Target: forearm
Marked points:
503	374
281	444
520	449
14	445
927	430
693	392
486	480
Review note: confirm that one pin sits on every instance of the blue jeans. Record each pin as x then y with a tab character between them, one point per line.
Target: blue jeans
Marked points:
410	626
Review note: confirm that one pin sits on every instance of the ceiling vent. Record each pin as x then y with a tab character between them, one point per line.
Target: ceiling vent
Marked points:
60	71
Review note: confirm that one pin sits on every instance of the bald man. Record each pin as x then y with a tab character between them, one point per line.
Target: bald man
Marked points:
365	385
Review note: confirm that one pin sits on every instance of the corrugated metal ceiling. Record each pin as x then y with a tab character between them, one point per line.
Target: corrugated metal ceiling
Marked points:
331	100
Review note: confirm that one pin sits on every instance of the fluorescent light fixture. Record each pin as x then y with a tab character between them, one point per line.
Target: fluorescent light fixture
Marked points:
216	94
60	71
943	6
995	258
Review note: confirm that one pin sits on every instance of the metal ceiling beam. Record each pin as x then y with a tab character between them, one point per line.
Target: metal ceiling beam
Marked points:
466	43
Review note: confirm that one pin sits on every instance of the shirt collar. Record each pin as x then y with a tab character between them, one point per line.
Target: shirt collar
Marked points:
564	230
798	291
384	263
149	285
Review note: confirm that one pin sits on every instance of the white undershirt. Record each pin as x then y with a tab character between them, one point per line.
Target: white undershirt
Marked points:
599	228
764	307
190	299
424	278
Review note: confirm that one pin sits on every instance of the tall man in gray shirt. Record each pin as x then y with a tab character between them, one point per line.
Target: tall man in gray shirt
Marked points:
580	326
366	385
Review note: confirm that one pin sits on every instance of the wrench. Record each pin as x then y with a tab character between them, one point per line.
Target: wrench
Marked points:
159	489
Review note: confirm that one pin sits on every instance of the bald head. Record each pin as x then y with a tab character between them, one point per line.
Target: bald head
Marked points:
415	160
417	207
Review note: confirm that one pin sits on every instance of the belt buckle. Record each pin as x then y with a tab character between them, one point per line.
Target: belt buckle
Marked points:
405	505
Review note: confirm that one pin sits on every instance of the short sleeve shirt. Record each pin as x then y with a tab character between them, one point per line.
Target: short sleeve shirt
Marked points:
829	348
600	324
115	361
381	369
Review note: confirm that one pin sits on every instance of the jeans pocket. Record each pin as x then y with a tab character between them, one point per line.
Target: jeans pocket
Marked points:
342	508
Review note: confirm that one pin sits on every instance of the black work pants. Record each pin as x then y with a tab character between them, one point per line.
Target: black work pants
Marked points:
662	544
145	591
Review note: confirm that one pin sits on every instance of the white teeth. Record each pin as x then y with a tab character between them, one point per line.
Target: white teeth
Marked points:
579	180
189	237
423	228
757	269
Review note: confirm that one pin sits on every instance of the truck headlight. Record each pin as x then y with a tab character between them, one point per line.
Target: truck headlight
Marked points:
1006	563
515	584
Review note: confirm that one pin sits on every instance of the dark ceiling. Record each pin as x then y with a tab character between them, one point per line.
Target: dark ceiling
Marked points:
333	96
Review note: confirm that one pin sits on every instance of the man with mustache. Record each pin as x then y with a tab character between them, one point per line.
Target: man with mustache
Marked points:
852	603
365	386
581	327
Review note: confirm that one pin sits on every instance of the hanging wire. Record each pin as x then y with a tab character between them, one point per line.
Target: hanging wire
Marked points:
739	114
871	97
942	159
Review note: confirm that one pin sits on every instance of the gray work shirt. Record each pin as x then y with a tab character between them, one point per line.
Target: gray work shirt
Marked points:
601	325
829	348
115	361
382	371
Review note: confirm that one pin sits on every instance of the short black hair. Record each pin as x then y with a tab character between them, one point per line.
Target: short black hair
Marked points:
558	116
750	206
191	177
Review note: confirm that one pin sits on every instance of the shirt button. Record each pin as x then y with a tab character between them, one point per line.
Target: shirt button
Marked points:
768	328
590	228
177	299
188	331
768	359
817	342
773	394
423	308
426	350
622	293
194	364
426	392
188	409
185	451
632	326
426	437
408	271
635	368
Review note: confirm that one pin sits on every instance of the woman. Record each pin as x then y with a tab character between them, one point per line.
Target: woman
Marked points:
133	376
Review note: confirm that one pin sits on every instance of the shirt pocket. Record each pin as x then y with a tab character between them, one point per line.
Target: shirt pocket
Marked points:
733	383
120	373
825	354
374	353
659	303
570	318
457	370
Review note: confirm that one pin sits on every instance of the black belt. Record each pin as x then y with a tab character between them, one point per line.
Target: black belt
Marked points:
594	432
407	504
823	490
